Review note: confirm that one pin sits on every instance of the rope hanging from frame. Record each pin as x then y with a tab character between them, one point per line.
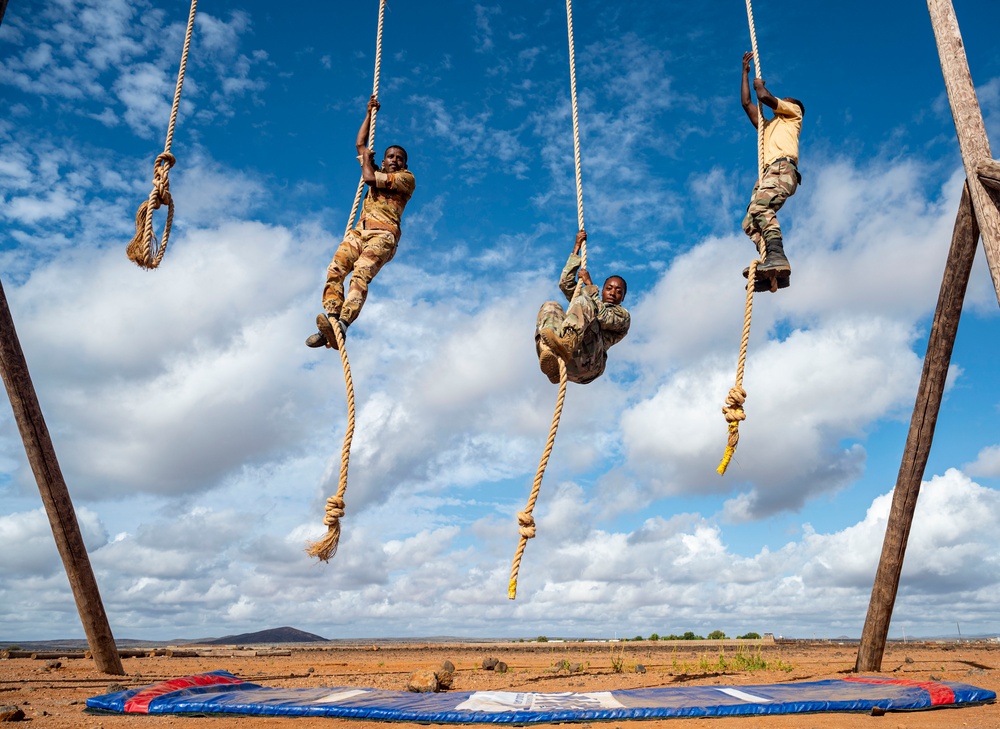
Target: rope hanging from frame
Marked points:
326	547
143	249
525	520
733	409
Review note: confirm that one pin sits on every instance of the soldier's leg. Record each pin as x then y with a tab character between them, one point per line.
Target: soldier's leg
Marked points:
341	265
751	220
779	183
580	315
565	340
378	248
550	316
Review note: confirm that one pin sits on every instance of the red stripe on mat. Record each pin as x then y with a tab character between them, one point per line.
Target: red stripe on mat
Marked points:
139	704
939	693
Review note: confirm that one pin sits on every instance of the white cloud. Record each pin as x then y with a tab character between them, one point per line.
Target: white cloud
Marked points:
987	463
193	424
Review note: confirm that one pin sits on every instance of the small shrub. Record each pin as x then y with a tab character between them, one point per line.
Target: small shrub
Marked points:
618	660
542	639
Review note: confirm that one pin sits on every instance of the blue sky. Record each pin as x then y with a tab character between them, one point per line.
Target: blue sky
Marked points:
199	437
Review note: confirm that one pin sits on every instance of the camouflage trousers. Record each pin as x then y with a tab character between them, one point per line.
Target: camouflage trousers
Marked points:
589	358
362	255
777	184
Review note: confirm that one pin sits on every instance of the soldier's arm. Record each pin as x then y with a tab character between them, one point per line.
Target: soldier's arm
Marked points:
763	95
567	281
748	106
615	322
365	155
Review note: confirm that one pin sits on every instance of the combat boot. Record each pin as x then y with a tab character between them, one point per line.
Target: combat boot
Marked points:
775	264
316	340
562	344
549	363
325	324
763	283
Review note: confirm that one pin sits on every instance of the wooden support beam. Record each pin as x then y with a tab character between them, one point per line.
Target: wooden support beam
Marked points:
918	441
968	118
988	171
55	495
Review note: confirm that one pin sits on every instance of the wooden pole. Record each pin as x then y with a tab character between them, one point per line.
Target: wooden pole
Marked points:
968	118
918	441
3	9
55	495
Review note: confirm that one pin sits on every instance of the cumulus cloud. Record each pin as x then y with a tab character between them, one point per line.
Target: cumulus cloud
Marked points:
987	463
200	438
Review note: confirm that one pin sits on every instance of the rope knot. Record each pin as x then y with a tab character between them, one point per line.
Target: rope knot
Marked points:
160	194
334	510
526	522
733	409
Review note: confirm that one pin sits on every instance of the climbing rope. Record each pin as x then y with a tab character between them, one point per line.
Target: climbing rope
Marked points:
143	249
525	520
326	547
733	409
371	125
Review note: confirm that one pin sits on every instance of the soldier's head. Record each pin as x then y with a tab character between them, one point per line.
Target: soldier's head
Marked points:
395	159
613	291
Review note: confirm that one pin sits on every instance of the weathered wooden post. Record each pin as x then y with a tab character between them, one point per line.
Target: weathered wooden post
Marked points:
918	441
55	495
972	139
977	212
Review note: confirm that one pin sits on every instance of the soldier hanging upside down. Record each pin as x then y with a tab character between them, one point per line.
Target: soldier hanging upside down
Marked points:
371	243
779	180
582	335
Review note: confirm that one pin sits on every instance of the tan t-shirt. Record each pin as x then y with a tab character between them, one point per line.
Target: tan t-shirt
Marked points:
383	205
781	133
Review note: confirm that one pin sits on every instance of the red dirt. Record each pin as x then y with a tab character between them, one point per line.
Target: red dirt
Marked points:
55	698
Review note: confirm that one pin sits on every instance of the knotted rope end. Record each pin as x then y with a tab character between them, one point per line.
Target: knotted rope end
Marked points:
326	547
734	439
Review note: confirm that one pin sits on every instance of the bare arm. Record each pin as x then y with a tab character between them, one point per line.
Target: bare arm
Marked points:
763	95
367	156
748	106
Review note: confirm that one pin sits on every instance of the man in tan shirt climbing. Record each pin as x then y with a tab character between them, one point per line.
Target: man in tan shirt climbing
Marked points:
371	243
778	181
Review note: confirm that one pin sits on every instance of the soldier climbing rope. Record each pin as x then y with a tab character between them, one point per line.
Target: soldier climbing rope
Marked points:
326	547
777	180
525	520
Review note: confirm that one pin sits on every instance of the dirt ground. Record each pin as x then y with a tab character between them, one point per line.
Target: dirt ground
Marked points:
55	696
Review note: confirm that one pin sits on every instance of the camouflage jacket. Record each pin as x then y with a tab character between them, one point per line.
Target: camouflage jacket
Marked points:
604	325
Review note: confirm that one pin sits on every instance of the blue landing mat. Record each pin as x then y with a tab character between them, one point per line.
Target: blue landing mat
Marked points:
219	692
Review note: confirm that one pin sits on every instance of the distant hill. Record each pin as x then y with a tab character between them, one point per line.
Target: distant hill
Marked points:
273	635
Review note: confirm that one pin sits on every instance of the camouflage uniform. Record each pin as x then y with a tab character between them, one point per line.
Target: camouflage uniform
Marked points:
369	245
781	175
602	325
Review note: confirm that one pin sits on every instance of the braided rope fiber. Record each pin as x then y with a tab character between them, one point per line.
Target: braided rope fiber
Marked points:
733	409
326	547
143	249
526	522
